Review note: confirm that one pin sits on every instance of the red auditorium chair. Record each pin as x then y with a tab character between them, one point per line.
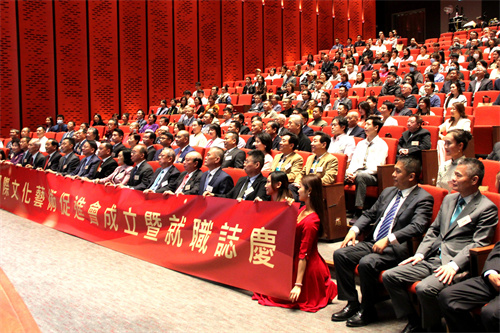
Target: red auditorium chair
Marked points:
58	137
383	99
356	92
487	122
235	173
395	132
402	120
154	164
373	91
432	120
245	99
491	168
485	97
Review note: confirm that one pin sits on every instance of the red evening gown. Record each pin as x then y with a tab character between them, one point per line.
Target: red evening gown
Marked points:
318	289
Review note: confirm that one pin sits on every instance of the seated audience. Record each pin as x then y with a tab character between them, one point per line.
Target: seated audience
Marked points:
454	142
51	161
295	125
197	138
35	158
415	139
121	174
263	142
188	181
215	180
288	160
458	120
89	164
140	176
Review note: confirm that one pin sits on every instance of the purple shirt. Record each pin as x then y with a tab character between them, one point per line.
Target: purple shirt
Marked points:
153	127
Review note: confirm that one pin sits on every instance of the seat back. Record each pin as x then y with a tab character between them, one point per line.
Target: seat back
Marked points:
491	168
434	130
495	198
245	99
393	149
485	97
394	131
342	167
487	115
438	194
154	164
235	174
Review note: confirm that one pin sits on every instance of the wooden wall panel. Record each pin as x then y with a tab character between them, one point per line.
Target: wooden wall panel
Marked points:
340	24
133	56
369	27
253	36
185	45
232	40
308	30
9	75
103	58
160	51
37	62
273	55
291	30
325	25
355	19
71	60
209	40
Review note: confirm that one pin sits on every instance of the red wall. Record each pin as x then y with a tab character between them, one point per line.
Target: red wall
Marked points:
83	57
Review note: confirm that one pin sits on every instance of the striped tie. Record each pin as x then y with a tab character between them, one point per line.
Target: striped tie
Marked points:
386	224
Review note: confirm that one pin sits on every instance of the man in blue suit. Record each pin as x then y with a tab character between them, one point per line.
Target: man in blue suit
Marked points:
182	141
89	164
215	180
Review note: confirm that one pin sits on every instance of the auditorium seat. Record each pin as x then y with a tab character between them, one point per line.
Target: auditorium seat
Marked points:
485	97
491	168
373	91
432	120
245	99
154	164
486	128
402	120
356	92
58	137
394	131
50	135
235	173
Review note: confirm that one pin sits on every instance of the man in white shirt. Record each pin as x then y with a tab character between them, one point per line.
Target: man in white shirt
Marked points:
40	133
341	142
368	155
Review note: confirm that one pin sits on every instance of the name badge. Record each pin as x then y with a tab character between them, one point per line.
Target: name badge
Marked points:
228	158
165	183
463	221
210	188
288	166
415	143
99	170
65	166
25	160
187	187
319	169
49	164
86	167
136	177
180	159
249	190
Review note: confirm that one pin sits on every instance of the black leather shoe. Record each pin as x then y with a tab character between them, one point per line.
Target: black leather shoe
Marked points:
362	318
412	328
347	312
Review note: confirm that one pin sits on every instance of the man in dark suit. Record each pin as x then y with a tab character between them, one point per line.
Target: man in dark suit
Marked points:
400	213
272	129
352	125
60	126
188	181
304	104
51	161
295	123
107	164
308	131
182	141
400	109
117	141
452	78
69	162
459	300
233	157
141	174
257	127
89	164
481	83
415	139
251	186
215	180
326	66
495	153
244	130
466	219
70	131
149	139
166	175
165	139
35	158
497	85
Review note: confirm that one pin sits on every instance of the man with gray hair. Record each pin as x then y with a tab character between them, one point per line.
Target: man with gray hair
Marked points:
215	180
166	175
481	83
295	123
410	100
35	158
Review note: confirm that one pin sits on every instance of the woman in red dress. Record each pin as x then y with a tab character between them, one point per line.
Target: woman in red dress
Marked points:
313	288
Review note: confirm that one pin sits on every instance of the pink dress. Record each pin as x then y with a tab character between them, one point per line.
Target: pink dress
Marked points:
318	289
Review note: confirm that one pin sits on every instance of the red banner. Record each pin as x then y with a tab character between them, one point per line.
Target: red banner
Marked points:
246	245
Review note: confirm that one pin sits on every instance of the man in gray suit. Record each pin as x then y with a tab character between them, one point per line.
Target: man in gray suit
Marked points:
466	219
400	213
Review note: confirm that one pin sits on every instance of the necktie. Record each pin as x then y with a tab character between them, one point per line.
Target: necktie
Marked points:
386	224
243	189
158	180
316	160
209	177
82	170
33	161
366	155
458	210
181	187
46	162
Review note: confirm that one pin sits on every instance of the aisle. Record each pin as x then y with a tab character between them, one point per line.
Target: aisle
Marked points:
71	285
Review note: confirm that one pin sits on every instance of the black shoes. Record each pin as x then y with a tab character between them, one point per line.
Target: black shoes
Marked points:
362	318
410	327
347	312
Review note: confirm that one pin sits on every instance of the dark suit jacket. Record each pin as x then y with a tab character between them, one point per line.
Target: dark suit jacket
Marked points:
412	218
422	137
358	132
495	154
276	143
404	112
187	150
151	153
67	135
38	163
258	186
410	102
78	147
193	184
106	168
304	142
221	182
88	170
68	164
244	130
59	128
303	105
234	159
455	241
249	90
497	85
493	260
168	181
446	86
117	148
157	154
486	85
140	177
53	161
308	131
326	68
250	142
